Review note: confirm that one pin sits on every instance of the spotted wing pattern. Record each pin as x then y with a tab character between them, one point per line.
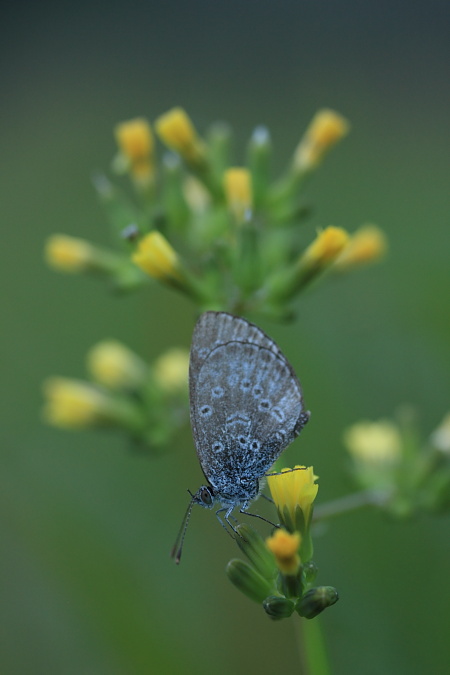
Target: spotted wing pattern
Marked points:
246	402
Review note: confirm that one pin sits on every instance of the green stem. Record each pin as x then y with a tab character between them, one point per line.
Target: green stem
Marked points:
349	503
311	644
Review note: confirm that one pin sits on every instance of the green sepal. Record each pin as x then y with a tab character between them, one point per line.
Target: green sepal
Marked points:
248	580
120	211
174	204
291	585
219	140
254	547
247	263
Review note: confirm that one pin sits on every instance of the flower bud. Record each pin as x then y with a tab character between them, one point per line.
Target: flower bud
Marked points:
366	245
325	248
74	404
278	607
115	366
252	544
248	580
156	256
285	548
238	192
171	371
178	133
316	600
325	130
135	141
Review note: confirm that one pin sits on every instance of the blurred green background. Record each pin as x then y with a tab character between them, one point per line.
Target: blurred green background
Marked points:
87	585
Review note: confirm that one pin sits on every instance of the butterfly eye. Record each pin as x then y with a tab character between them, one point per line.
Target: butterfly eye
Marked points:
206	496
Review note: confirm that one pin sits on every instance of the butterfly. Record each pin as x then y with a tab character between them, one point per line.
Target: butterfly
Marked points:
246	407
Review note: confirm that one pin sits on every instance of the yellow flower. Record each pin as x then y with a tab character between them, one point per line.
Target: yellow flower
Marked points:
367	244
74	404
326	247
178	133
375	443
68	254
156	257
325	130
285	547
135	140
171	370
114	365
238	191
293	490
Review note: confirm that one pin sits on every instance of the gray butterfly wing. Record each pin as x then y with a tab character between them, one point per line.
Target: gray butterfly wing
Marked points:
246	402
218	328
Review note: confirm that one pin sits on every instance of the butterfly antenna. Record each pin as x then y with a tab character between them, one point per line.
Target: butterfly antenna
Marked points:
178	546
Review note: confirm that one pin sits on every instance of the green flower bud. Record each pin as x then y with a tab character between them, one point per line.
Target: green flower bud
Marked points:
278	607
316	600
248	580
259	154
254	547
309	572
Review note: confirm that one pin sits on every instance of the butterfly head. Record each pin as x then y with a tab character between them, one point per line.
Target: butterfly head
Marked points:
205	496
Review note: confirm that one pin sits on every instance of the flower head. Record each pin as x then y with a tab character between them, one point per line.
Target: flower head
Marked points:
156	256
114	365
238	191
285	547
74	404
294	491
374	443
171	370
135	140
325	130
326	247
366	245
175	128
68	254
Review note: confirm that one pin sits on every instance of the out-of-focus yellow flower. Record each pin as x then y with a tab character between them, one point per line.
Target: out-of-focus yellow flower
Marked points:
156	257
74	404
285	547
178	133
68	254
197	197
292	489
326	247
238	191
325	129
366	245
114	365
374	443
171	370
135	140
440	437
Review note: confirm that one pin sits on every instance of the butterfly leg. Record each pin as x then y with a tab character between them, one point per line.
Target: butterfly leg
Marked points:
256	515
227	515
279	473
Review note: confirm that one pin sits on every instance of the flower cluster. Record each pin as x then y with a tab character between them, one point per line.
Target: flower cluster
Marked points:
228	237
404	474
281	573
149	403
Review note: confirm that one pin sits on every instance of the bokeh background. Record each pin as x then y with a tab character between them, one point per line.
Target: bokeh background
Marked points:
87	586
